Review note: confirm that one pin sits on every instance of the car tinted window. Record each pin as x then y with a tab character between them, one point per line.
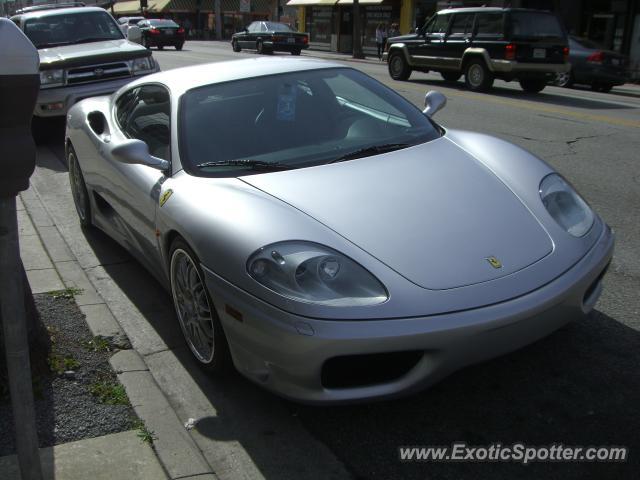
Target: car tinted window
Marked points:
278	27
440	24
70	28
535	24
297	119
163	23
489	24
145	115
254	27
462	23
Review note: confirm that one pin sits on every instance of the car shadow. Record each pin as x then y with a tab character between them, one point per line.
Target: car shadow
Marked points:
546	96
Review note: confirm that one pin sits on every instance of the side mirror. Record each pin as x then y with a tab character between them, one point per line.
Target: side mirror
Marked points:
433	102
417	31
134	34
136	152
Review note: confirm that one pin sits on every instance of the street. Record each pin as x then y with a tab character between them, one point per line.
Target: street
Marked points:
580	386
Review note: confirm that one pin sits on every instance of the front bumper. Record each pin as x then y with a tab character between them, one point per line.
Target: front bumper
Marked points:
69	95
286	353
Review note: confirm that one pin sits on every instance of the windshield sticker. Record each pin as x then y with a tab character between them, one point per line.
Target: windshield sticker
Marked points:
286	110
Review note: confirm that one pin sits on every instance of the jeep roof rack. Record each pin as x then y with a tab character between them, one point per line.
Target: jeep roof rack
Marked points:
49	6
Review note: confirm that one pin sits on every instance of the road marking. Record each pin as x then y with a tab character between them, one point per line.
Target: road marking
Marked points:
531	106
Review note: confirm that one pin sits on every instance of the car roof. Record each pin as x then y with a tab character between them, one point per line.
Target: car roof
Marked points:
57	11
489	10
180	80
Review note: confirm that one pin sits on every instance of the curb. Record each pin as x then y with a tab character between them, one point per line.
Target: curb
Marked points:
176	450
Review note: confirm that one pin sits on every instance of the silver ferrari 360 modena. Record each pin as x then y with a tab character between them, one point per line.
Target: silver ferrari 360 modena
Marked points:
322	234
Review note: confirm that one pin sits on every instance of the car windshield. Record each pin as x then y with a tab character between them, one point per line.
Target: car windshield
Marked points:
134	21
163	23
586	43
535	25
294	120
66	29
278	27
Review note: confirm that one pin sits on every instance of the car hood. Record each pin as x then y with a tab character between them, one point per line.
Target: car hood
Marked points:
433	213
89	53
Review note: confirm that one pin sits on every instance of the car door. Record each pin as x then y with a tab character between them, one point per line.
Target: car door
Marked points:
458	39
248	39
489	34
131	190
430	52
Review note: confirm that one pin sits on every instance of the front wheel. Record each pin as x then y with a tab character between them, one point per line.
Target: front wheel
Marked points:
533	86
78	189
260	47
145	42
235	46
197	316
295	52
398	67
160	47
178	46
477	76
601	87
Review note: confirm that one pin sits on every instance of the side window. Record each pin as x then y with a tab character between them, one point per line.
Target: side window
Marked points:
489	24
254	27
124	105
263	27
440	25
462	23
147	115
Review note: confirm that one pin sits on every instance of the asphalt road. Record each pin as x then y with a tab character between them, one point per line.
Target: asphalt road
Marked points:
579	386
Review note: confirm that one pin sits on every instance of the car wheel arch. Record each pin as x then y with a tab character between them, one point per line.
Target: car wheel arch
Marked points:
472	53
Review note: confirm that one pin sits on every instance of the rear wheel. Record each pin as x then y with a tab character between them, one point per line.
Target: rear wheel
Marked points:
178	46
477	76
235	46
533	85
260	47
160	47
398	67
295	52
564	79
197	316
451	76
145	42
78	189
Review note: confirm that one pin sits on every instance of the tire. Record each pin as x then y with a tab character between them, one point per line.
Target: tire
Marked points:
451	76
178	46
477	76
601	87
564	80
398	67
295	52
235	46
533	85
260	47
78	189
191	297
160	47
145	42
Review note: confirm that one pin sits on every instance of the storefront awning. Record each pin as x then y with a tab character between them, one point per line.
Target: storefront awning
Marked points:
361	2
132	7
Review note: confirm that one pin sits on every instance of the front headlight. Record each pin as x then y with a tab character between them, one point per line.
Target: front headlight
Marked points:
142	65
565	205
312	273
50	78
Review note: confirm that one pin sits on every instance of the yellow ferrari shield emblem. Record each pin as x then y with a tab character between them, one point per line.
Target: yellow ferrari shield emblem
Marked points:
165	196
494	262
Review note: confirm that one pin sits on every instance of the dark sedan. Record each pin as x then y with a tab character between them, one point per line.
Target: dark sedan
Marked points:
268	37
161	33
593	65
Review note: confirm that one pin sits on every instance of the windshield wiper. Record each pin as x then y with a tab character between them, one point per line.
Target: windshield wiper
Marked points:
94	39
373	150
250	164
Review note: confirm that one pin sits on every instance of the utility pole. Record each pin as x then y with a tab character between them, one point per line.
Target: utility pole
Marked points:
357	41
216	6
19	86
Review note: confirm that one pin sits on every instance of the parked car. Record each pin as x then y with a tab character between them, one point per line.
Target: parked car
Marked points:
593	65
83	53
157	32
126	22
269	37
323	234
482	44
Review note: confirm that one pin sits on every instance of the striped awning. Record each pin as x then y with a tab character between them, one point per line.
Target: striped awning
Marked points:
304	3
132	7
186	6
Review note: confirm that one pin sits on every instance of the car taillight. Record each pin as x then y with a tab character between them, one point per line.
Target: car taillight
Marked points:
510	52
596	57
154	31
565	53
181	31
305	39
